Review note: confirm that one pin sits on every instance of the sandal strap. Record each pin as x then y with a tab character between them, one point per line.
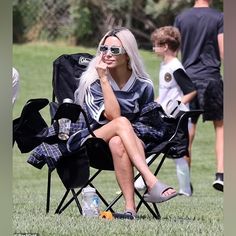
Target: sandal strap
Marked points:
130	212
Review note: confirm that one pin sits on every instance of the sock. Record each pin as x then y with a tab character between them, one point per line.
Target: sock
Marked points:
183	175
220	176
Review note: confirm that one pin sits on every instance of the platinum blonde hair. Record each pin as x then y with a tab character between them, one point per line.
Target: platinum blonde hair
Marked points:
130	45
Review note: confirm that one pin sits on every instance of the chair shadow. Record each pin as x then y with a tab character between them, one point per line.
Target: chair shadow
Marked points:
169	218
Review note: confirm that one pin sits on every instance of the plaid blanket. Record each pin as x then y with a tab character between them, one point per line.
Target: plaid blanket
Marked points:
47	153
150	127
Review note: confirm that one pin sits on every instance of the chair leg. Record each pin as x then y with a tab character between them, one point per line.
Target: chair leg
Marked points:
102	199
58	210
109	207
157	211
156	214
160	164
77	193
48	192
77	201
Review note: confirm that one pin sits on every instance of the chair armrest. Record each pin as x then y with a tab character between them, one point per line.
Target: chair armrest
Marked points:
185	115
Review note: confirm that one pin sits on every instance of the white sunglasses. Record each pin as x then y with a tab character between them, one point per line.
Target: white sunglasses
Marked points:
114	50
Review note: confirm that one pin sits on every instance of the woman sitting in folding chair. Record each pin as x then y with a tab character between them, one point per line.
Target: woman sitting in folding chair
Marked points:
114	90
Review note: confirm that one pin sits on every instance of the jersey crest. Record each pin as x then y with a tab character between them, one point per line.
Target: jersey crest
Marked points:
167	77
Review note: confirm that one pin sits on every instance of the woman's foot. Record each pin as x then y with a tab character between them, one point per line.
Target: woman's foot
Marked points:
160	192
131	213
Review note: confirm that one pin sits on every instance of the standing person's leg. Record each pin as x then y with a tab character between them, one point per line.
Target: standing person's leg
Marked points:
183	175
183	164
192	132
214	111
219	149
219	145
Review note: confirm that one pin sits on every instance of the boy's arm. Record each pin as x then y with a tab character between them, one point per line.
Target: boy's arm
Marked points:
186	85
188	97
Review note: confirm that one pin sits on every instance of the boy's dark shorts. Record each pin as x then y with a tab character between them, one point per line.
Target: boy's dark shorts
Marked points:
209	98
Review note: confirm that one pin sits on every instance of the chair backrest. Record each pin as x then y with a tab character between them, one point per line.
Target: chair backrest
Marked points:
67	70
73	169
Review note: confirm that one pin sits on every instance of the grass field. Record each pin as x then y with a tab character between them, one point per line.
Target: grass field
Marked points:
202	214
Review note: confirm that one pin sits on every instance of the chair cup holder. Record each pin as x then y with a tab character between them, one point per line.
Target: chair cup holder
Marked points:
68	110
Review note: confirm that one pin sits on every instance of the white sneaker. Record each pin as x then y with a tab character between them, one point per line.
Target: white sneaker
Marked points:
139	184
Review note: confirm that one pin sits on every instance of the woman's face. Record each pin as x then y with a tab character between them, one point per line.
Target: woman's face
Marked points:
113	53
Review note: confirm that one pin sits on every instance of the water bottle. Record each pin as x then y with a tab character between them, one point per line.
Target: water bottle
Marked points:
90	202
64	124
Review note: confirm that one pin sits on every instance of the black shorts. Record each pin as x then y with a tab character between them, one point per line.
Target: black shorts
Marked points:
209	98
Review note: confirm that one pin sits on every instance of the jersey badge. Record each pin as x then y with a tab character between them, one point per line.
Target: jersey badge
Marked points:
167	77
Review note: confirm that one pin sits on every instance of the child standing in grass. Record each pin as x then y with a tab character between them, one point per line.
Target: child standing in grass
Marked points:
175	85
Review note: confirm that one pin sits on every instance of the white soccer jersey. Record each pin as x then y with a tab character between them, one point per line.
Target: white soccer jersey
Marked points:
169	89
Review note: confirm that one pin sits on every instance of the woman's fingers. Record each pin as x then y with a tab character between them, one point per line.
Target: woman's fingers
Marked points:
101	67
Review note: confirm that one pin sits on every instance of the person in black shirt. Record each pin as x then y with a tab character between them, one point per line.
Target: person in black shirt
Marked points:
202	38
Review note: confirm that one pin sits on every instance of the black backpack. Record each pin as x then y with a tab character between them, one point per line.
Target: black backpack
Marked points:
66	69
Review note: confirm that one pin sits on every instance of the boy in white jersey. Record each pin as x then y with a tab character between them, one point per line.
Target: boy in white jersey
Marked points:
174	84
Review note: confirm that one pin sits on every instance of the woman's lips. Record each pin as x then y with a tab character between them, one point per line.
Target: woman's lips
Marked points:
109	62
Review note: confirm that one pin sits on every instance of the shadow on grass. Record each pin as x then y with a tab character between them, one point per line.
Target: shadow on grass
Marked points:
169	218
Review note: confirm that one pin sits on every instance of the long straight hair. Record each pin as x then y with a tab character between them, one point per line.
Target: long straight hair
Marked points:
130	45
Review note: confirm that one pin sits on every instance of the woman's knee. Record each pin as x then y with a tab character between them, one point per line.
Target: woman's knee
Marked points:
122	123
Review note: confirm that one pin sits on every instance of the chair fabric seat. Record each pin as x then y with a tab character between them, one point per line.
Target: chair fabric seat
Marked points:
73	169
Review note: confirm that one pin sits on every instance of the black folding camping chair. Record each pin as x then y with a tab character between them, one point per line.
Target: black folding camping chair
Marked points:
97	150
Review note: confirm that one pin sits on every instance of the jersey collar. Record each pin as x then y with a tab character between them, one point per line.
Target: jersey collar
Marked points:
126	87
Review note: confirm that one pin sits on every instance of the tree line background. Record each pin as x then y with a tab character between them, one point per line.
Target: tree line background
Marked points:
83	22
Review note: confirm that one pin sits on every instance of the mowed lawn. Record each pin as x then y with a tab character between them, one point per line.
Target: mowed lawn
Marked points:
201	214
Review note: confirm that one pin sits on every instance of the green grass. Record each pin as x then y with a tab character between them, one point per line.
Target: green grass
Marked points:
202	214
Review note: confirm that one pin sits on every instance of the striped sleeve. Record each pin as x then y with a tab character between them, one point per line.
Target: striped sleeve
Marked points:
95	103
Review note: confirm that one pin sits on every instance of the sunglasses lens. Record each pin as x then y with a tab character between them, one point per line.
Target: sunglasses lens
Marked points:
103	48
115	50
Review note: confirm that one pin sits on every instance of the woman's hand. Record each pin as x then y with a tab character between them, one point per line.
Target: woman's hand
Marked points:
101	68
111	105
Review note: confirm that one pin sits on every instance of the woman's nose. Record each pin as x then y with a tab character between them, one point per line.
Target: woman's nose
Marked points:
108	53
